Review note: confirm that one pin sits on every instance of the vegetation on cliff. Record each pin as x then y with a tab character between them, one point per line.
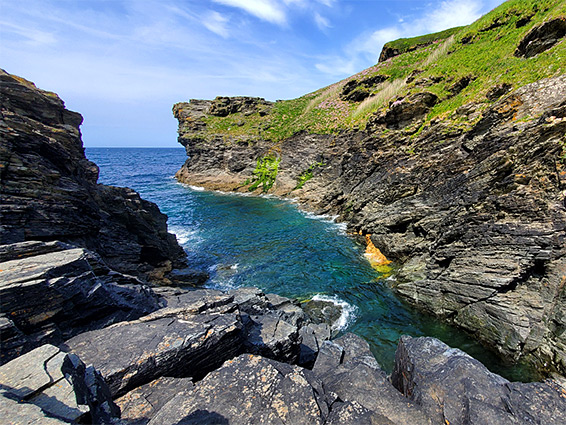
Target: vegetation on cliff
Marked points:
477	63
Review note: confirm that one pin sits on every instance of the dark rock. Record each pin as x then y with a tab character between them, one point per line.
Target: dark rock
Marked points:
321	311
453	387
542	38
224	106
58	294
405	111
140	405
460	85
348	369
187	276
427	81
249	390
59	384
49	189
357	90
497	91
177	342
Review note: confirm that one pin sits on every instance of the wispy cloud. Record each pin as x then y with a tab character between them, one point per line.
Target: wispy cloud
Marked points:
321	22
216	23
267	10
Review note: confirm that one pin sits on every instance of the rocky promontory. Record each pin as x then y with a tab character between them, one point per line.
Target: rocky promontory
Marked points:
455	173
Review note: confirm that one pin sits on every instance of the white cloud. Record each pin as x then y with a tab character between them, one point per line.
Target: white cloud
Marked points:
451	13
216	23
321	22
328	3
267	10
31	35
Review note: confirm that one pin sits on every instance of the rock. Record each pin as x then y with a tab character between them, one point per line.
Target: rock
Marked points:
320	311
59	293
187	276
453	387
47	382
249	390
224	106
460	85
405	111
175	342
49	189
497	91
140	405
357	90
348	369
542	38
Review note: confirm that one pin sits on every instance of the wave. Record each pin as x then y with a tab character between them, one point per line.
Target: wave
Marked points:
184	234
348	315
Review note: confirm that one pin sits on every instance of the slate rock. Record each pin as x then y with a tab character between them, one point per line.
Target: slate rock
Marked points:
451	386
176	342
57	294
405	111
140	405
249	390
542	38
348	369
57	383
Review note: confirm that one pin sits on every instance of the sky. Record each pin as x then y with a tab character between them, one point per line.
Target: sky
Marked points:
123	63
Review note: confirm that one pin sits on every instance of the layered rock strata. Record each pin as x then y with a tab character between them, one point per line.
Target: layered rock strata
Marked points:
474	215
49	189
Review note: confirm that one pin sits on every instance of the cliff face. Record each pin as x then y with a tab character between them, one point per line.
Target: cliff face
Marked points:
49	189
459	177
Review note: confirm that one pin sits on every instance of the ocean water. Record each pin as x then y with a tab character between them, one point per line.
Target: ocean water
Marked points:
270	243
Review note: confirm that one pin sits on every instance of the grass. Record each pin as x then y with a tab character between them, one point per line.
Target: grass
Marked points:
483	50
405	44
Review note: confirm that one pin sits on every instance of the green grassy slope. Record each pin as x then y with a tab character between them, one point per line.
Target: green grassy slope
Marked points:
482	51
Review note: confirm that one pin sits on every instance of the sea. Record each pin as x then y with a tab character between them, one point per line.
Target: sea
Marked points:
270	243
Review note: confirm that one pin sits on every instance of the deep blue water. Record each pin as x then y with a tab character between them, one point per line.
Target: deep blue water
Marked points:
269	243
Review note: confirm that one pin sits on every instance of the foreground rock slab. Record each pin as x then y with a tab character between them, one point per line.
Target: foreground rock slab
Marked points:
249	390
47	385
452	387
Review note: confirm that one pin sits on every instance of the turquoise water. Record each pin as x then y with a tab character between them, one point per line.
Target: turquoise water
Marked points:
269	243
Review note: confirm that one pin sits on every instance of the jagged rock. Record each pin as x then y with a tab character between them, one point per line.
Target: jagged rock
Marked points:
453	387
58	384
224	106
49	189
460	85
542	38
348	369
405	111
178	342
140	405
497	91
357	90
59	293
249	390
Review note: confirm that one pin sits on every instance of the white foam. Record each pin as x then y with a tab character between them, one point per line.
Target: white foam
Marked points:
196	188
184	234
349	311
234	266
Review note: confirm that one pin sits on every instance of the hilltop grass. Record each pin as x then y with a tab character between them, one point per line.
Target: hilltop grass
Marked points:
483	50
403	45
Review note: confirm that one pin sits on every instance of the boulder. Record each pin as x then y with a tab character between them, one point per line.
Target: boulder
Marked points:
249	390
47	383
452	387
405	111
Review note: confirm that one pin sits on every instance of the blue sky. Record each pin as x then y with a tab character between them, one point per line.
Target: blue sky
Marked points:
124	63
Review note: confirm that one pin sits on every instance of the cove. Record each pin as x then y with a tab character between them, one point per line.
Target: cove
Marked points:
269	243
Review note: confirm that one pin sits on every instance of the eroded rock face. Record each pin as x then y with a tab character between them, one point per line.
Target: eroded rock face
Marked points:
454	388
52	291
48	386
49	189
542	38
474	216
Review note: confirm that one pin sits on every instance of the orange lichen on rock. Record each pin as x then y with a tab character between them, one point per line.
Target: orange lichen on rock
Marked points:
374	255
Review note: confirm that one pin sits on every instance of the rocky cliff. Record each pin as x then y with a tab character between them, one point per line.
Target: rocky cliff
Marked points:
49	189
453	162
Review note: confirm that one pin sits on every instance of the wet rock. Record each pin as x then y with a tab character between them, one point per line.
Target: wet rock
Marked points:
452	387
320	311
542	38
58	384
140	405
49	190
57	294
249	390
348	369
187	341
